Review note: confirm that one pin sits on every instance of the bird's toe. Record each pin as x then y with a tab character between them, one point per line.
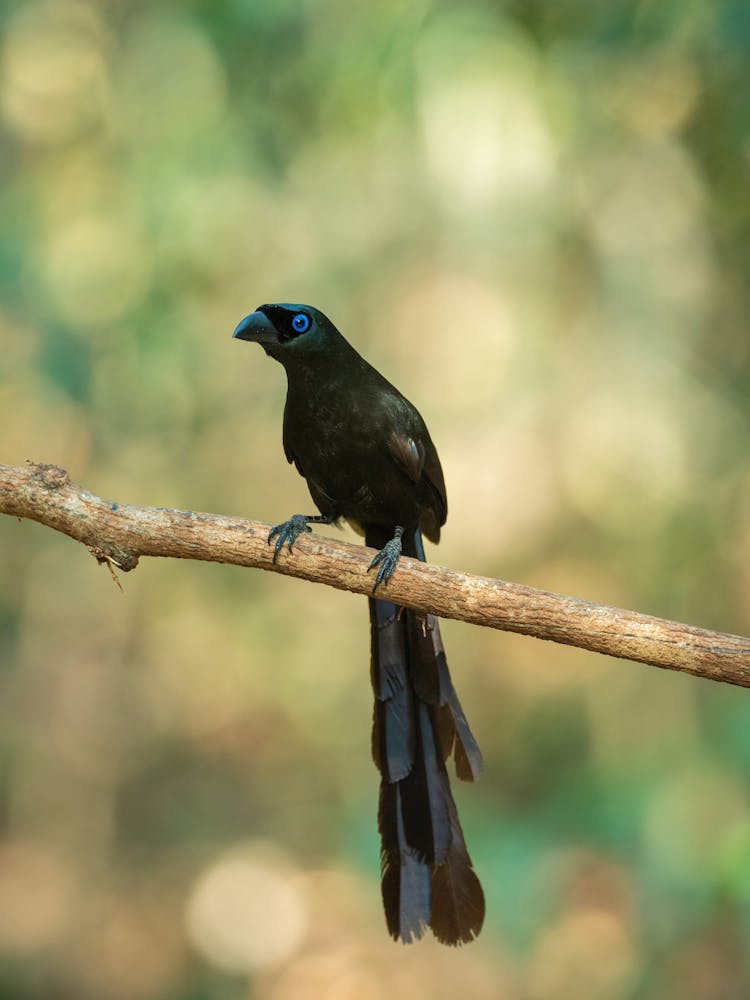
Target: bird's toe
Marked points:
386	560
287	533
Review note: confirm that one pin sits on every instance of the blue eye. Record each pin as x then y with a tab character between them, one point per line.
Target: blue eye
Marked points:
301	322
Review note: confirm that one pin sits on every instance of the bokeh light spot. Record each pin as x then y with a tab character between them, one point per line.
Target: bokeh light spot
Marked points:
171	84
485	130
97	267
54	78
246	911
624	460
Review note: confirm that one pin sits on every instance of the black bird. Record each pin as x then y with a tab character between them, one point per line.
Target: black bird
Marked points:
367	457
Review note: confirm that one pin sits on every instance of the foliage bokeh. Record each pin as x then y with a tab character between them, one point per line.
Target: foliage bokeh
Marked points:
534	218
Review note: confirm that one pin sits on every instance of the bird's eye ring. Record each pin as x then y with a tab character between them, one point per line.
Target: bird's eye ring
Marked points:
301	322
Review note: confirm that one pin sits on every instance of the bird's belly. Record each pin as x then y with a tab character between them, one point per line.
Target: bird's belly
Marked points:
362	485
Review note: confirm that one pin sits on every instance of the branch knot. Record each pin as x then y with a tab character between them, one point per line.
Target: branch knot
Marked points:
49	477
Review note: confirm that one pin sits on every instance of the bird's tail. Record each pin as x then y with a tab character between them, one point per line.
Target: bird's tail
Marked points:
427	876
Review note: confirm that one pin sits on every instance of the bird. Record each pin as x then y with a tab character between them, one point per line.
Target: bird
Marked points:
368	459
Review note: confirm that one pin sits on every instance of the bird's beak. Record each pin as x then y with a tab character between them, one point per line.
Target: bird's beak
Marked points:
256	327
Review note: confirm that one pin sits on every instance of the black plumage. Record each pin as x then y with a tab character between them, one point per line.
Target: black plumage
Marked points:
367	457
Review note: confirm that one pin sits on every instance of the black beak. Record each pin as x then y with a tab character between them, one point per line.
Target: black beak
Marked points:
256	327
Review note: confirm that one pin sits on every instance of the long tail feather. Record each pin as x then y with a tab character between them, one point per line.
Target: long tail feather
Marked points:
427	875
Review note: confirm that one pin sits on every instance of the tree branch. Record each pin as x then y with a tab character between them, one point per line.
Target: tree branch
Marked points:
119	534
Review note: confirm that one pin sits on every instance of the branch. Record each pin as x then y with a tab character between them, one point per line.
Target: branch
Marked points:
118	535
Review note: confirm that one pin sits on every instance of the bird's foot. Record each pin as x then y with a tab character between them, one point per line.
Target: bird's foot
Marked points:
387	559
288	532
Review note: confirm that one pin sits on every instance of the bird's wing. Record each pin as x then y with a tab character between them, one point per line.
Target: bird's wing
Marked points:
291	457
408	453
433	473
417	457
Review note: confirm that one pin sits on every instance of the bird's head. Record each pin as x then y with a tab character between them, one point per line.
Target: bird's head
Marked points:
290	333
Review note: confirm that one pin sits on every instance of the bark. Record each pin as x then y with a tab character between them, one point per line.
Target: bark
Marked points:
119	534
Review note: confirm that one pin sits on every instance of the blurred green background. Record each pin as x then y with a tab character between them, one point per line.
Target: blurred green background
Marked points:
534	218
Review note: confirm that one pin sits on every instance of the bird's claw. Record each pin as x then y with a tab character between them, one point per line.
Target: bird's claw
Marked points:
387	559
287	532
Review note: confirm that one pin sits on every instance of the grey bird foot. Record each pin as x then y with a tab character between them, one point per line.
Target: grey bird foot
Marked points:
288	532
387	559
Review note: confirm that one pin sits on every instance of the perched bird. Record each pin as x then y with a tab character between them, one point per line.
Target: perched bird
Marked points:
368	458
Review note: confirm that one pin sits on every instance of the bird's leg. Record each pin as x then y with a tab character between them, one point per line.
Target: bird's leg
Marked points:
387	559
289	531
